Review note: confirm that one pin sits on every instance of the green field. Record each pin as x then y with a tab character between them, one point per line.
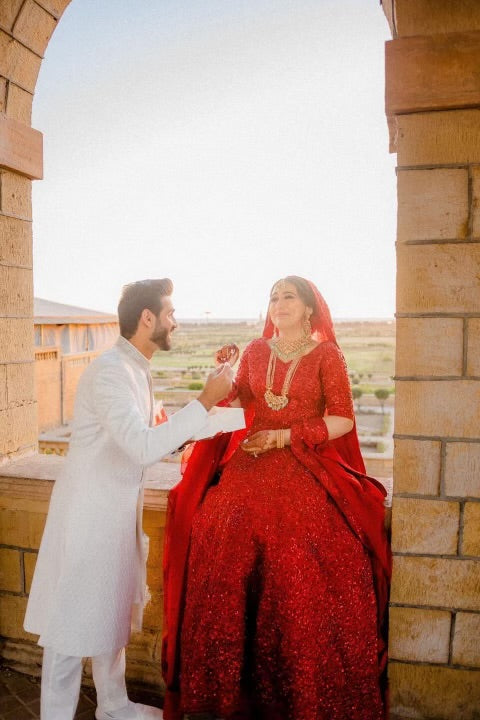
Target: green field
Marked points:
368	346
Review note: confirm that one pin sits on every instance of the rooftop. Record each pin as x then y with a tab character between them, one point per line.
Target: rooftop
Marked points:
47	312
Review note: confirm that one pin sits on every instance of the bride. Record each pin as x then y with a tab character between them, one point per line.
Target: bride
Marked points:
276	560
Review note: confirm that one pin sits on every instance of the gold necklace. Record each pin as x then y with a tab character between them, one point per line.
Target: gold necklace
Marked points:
278	402
289	349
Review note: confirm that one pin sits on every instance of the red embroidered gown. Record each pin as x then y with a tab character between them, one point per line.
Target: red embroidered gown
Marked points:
280	618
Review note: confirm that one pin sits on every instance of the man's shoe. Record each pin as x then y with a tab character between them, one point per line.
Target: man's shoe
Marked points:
134	711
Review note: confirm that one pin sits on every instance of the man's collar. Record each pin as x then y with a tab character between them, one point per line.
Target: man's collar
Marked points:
125	346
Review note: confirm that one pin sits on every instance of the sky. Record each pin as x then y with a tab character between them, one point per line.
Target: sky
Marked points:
222	143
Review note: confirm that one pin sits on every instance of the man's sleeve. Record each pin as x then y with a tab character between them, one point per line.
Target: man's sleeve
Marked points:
118	412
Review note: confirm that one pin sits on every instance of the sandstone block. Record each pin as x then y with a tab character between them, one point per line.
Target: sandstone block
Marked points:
17	63
16	194
146	674
3	94
471	529
19	104
17	340
21	528
3	387
16	291
421	635
21	149
425	526
473	347
431	17
437	408
10	570
438	278
476	200
439	582
56	7
466	647
432	204
436	72
155	564
34	27
8	12
20	383
429	691
462	470
429	346
18	428
12	612
154	524
141	647
29	562
23	656
416	467
153	615
438	138
15	241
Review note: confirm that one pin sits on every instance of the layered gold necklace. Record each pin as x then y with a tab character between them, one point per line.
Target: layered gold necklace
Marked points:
286	350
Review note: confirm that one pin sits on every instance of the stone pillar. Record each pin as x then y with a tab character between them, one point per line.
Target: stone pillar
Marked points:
433	105
25	29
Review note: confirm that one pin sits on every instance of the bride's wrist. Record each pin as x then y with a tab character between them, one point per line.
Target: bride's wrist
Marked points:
282	437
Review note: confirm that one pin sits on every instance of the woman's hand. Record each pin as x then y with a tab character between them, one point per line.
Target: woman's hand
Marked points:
263	441
227	354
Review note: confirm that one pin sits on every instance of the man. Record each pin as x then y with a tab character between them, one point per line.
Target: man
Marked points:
89	583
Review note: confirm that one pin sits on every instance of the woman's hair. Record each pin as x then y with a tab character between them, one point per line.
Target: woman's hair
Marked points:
304	290
138	296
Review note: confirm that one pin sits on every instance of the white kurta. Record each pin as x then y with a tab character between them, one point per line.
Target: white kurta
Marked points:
90	564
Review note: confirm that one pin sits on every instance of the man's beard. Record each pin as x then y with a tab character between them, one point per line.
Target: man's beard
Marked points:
161	338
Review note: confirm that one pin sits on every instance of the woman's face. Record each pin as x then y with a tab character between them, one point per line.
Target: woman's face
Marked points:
287	310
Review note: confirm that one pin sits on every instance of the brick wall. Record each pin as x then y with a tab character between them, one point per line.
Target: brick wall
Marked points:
23	509
435	613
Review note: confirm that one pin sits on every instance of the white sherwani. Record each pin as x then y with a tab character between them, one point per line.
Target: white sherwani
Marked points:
90	573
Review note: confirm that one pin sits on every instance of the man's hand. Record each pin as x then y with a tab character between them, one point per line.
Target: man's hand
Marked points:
218	386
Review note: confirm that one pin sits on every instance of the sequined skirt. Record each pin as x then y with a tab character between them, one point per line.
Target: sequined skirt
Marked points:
280	615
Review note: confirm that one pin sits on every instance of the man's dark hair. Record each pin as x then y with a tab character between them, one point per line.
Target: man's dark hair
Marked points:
138	296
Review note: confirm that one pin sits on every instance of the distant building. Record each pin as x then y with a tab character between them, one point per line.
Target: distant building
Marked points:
67	339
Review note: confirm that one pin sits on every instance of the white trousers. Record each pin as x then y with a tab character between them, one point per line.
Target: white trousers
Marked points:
61	680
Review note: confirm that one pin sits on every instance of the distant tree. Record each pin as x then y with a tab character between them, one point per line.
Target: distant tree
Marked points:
357	394
355	381
369	376
382	394
195	386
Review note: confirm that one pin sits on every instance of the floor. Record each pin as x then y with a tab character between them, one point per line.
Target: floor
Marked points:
20	698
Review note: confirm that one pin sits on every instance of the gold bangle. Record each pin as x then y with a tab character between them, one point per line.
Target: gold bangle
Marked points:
280	438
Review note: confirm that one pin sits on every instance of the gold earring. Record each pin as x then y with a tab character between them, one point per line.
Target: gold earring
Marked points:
307	327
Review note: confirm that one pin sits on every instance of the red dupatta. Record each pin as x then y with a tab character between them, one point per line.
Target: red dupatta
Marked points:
338	466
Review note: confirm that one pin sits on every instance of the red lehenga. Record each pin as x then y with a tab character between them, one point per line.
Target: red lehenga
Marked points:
277	572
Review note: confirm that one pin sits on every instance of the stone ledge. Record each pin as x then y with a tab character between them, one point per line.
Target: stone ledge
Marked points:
33	477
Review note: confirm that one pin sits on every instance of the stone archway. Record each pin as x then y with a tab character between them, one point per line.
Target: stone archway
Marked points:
25	30
433	104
